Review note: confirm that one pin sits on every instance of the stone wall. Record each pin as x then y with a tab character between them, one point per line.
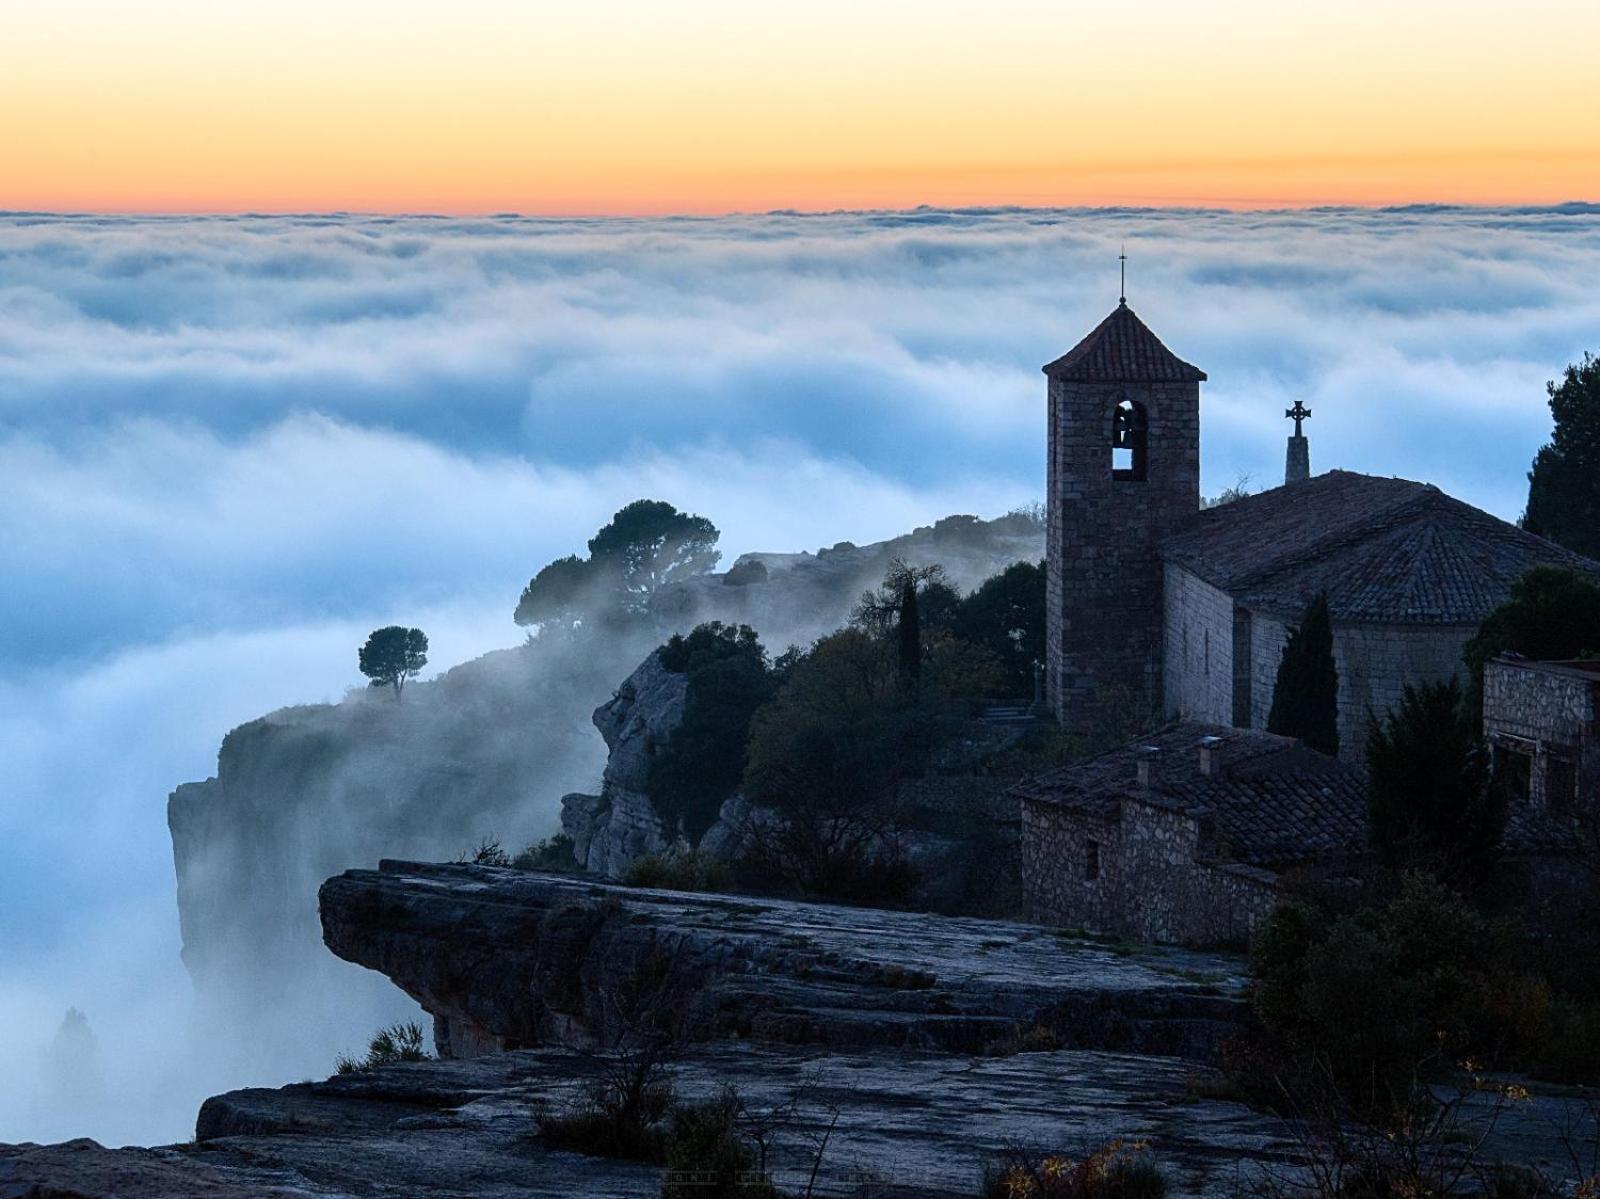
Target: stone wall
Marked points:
1198	669
1374	662
1553	716
1104	572
1154	882
1055	889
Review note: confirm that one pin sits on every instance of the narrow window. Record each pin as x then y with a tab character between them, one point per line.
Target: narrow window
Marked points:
1513	770
1129	436
1560	785
1091	860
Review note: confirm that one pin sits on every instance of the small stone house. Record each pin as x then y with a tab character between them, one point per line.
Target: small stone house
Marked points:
1183	836
1542	722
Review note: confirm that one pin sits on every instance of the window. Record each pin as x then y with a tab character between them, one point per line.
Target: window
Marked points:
1513	770
1560	785
1130	429
1091	860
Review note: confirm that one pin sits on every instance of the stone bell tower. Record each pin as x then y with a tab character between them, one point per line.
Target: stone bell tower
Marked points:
1124	473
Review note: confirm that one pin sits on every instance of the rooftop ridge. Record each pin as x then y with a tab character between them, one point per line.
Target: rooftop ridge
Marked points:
1122	348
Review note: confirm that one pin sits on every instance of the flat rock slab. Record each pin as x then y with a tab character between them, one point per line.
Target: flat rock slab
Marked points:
508	959
902	1122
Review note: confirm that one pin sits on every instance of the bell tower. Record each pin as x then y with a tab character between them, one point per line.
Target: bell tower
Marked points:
1123	473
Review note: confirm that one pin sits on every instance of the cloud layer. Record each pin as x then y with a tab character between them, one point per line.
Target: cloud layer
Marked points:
231	446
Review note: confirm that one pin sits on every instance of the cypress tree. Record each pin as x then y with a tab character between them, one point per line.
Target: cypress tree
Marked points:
1305	702
910	630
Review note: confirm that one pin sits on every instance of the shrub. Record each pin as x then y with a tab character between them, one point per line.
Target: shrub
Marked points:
707	1158
488	853
612	1120
1116	1170
553	853
679	870
396	1043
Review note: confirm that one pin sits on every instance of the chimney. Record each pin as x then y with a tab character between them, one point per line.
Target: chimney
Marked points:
1210	756
1146	756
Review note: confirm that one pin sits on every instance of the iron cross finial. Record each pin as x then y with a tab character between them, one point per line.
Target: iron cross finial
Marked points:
1123	259
1297	414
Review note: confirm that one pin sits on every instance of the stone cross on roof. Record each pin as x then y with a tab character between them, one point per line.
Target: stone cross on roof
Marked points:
1297	414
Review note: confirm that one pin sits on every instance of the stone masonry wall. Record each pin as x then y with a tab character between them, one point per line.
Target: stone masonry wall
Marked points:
1198	664
1152	884
1557	716
1374	662
1055	844
1105	575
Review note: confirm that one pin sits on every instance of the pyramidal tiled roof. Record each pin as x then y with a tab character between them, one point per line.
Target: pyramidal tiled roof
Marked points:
1384	550
1121	349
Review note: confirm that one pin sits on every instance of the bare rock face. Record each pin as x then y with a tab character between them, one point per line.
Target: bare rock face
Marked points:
898	1123
611	830
509	959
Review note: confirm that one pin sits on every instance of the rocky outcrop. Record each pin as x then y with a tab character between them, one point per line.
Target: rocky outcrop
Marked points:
611	830
483	751
902	1123
510	959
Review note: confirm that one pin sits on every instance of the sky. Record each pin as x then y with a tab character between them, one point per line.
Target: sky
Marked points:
232	446
715	106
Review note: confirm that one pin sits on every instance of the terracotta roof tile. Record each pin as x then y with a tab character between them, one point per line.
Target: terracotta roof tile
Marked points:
1122	349
1384	550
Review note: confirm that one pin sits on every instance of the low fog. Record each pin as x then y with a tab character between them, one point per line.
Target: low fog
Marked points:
232	447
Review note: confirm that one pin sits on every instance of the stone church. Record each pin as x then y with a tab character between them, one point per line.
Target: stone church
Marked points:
1184	613
1188	834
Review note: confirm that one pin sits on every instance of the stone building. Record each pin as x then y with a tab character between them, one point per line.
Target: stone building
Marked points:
1184	614
1542	722
1193	833
1183	836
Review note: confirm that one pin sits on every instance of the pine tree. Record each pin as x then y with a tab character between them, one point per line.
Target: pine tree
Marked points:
1564	484
1305	701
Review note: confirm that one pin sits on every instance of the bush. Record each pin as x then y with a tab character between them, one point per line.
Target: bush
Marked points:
553	853
706	1157
396	1043
488	853
1117	1170
678	870
1374	997
612	1121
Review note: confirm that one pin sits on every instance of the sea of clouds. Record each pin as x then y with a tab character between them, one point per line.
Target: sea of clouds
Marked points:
231	446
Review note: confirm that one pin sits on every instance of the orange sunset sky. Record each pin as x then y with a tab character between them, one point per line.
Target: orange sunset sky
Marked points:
622	106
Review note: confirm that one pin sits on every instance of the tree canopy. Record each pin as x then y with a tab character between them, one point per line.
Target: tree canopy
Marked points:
1305	700
1005	615
649	544
1564	484
557	595
728	679
645	545
393	655
1552	613
1431	800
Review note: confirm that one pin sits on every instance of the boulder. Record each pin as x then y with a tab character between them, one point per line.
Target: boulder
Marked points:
510	959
